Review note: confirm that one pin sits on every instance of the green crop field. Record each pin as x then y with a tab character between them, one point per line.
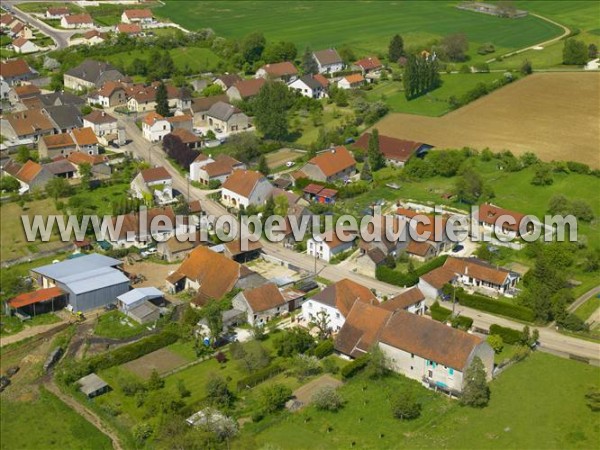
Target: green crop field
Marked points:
366	26
526	411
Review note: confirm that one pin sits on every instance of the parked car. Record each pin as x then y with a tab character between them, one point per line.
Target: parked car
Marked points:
290	163
458	248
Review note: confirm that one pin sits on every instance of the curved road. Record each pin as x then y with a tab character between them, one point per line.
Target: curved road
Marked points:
549	338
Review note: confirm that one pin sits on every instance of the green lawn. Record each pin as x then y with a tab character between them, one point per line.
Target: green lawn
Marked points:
195	58
435	103
41	7
587	309
527	411
12	325
303	124
117	325
47	423
366	26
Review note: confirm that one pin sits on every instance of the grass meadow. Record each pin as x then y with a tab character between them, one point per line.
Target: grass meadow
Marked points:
195	58
365	26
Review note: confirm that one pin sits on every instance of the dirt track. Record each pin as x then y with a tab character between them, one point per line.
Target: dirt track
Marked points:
554	115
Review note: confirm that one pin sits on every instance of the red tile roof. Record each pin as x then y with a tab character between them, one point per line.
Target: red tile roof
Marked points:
129	28
152	117
243	182
369	63
343	294
84	136
476	268
38	296
354	78
333	161
97	116
392	148
78	19
138	14
20	42
438	277
418	248
264	297
58	140
489	213
404	300
29	171
361	329
79	158
313	189
155	174
14	68
280	69
321	79
249	88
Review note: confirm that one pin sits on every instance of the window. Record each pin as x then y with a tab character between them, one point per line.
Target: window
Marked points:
450	371
412	355
411	367
337	315
430	373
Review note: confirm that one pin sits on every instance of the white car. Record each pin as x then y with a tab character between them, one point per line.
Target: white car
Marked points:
290	163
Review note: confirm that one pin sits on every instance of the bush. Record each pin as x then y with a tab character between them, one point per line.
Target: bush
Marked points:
325	348
355	366
274	396
496	343
259	376
330	366
462	322
405	407
493	306
289	343
257	416
439	313
327	399
384	273
508	335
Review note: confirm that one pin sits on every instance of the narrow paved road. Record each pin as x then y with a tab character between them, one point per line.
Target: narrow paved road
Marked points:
582	299
549	338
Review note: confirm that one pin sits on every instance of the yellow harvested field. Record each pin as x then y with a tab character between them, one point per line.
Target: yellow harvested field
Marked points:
555	115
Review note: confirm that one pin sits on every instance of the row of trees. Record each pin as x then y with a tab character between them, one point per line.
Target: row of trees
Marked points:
420	75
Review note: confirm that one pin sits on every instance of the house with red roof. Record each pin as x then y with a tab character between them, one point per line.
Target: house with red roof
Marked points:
205	169
244	188
352	81
30	175
245	89
57	12
14	71
155	182
330	244
137	16
395	151
261	304
155	127
331	165
368	65
282	71
77	21
130	29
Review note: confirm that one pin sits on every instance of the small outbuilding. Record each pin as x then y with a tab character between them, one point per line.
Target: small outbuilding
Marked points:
92	385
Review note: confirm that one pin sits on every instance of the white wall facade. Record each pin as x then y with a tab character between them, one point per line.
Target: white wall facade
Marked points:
311	308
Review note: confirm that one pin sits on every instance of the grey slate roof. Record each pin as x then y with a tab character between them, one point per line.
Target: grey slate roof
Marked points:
96	72
310	81
91	383
222	111
61	98
65	116
59	167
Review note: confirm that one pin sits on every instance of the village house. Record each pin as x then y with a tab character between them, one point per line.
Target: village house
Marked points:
368	65
139	304
211	276
411	300
395	151
20	94
283	71
336	164
482	276
335	302
91	74
59	98
143	98
233	250
31	175
105	127
192	141
261	304
155	127
137	16
181	122
57	13
130	29
309	86
432	283
85	140
155	182
205	169
64	117
353	81
420	348
244	188
22	30
56	144
227	80
488	220
319	194
61	168
32	123
8	21
245	89
428	239
199	106
327	246
176	249
77	21
112	93
225	118
94	37
98	163
15	71
328	61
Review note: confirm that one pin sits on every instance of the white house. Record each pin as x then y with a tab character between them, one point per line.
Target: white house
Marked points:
328	245
283	71
353	81
137	16
77	21
24	46
105	127
57	13
155	127
85	140
137	305
331	165
335	302
244	188
328	61
309	86
156	182
225	118
205	169
473	272
261	304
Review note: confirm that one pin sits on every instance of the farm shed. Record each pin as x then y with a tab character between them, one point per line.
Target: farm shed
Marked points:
37	302
92	385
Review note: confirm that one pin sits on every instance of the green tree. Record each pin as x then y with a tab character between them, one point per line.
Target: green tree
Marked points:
327	399
309	65
347	54
376	158
455	47
56	82
289	343
212	90
496	342
269	208
252	47
58	187
184	392
85	171
281	205
263	167
155	382
542	175
213	315
470	186
279	51
274	396
526	67
321	322
365	172
396	48
162	101
377	365
254	357
305	366
217	391
141	432
476	392
592	399
9	184
575	52
592	51
24	154
405	407
271	107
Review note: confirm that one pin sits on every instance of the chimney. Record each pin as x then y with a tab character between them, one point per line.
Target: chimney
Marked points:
103	114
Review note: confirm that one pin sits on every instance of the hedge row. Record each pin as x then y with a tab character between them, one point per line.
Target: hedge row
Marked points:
391	276
494	306
508	335
259	376
439	313
462	322
324	349
354	367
